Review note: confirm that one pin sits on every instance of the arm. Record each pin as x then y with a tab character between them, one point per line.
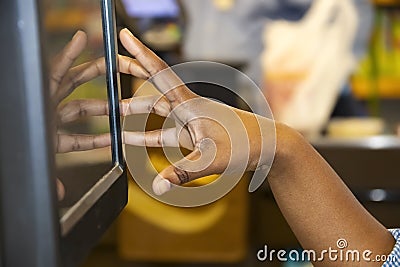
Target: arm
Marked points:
316	203
318	206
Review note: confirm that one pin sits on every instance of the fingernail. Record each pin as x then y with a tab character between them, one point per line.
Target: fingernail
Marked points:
161	185
145	74
128	31
76	34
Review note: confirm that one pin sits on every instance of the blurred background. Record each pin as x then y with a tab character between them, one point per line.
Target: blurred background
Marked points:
330	69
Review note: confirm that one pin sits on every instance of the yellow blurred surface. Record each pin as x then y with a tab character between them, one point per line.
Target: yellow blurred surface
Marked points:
149	230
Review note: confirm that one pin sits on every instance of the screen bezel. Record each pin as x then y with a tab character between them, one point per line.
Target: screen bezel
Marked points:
29	216
97	209
78	210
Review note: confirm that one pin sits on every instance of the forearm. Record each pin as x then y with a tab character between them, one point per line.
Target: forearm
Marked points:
318	206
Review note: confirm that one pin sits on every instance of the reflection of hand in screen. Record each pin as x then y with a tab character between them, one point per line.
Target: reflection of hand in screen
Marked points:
64	79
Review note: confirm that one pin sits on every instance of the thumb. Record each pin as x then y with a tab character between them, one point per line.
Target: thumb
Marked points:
193	166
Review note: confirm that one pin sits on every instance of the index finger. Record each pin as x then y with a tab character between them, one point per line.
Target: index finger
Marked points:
163	77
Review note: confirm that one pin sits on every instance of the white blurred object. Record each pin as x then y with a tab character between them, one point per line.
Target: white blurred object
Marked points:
355	127
307	63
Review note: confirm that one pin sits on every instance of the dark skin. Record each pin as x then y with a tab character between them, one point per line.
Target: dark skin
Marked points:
318	206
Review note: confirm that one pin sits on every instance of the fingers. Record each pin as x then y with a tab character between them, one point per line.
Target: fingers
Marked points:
176	174
68	143
199	163
79	75
131	66
80	108
88	71
159	138
145	104
163	77
65	59
147	58
156	138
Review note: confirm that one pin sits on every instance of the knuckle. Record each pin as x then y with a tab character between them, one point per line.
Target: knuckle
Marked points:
99	63
182	175
151	108
82	111
76	145
159	139
158	66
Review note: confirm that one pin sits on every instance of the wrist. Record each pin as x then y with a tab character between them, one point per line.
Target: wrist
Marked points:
289	144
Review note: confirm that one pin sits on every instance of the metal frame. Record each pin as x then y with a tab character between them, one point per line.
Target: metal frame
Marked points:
112	74
77	212
92	214
29	217
31	233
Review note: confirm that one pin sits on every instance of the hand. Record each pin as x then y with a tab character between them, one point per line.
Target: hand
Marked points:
223	139
217	134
